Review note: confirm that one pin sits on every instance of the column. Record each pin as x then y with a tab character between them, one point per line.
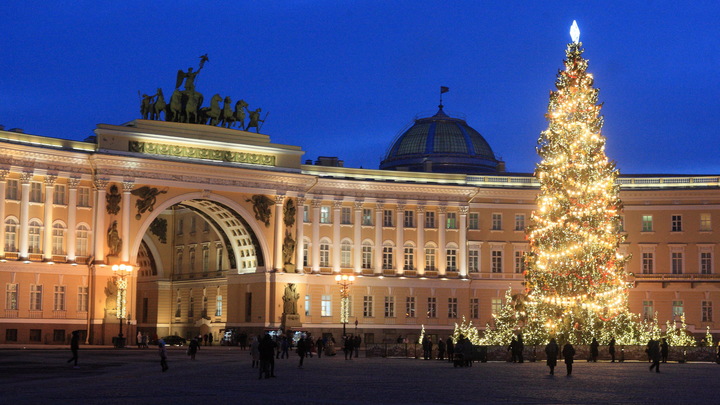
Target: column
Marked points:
279	238
421	240
25	179
299	236
47	217
399	238
73	183
3	185
125	235
378	239
357	237
315	243
337	207
462	253
100	232
442	253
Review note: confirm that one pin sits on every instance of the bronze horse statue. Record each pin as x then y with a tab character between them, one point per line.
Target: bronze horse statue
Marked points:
158	106
226	116
211	115
239	114
175	109
193	101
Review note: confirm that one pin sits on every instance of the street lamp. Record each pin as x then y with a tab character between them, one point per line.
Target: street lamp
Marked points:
344	281
121	271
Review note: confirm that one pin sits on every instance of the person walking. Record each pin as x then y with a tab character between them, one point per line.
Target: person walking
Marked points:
267	357
568	353
193	348
163	355
654	353
347	347
302	350
664	350
356	345
255	351
520	348
513	350
138	339
210	338
594	352
611	349
320	345
450	346
441	349
551	351
74	348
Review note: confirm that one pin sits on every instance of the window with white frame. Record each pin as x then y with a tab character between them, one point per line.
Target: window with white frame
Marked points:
676	223
496	261
346	254
432	307
473	260
35	192
325	215
410	307
367	256
409	258
677	309
496	305
11	296
82	299
81	240
83	196
648	262
307	305
306	249
11	226
12	191
219	257
387	218
388	261
677	262
324	254
306	213
648	310
409	219
496	222
451	259
474	220
59	194
430	263
452	307
519	262
367	217
707	315
706	263
36	291
218	303
451	220
519	222
647	223
368	306
326	305
59	298
206	259
389	307
474	308
58	239
34	236
346	215
705	222
429	219
178	304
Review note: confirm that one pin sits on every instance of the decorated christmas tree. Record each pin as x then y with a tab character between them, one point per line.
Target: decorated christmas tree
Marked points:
576	278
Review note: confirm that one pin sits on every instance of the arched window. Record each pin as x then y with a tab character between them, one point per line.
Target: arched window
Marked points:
346	254
11	235
451	257
206	259
82	235
58	239
324	253
409	256
430	255
388	259
34	232
367	255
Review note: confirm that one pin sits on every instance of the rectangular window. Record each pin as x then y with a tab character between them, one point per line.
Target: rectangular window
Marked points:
307	305
677	262
367	217
367	257
707	315
496	305
409	219
496	261
324	255
474	308
346	215
387	257
677	309
409	258
59	194
218	305
389	307
474	221
473	260
519	222
180	226
647	223
368	306
648	311
326	305
452	308
387	218
432	307
706	263
35	297
648	262
35	192
451	259
496	222
59	298
306	248
306	213
178	304
35	335
345	255
410	307
58	335
676	225
12	191
429	219
451	222
430	259
11	296
206	259
325	215
11	335
83	197
519	262
705	223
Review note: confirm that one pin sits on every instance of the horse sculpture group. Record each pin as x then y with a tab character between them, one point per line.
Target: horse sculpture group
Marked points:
185	106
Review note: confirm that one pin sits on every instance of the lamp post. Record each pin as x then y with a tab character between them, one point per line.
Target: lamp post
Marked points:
344	281
121	271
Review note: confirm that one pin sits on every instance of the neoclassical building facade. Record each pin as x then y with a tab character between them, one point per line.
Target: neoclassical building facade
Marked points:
217	223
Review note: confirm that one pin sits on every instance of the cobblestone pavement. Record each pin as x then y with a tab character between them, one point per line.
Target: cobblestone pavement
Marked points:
224	374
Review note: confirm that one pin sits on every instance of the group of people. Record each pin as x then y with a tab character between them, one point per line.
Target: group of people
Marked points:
445	348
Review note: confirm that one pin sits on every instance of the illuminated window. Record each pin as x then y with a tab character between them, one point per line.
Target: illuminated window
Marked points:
11	296
430	258
410	307
81	240
218	304
705	223
34	230
325	215
367	217
677	309
496	305
346	254
306	213
58	239
11	235
324	254
451	222
326	305
648	311
307	305
647	223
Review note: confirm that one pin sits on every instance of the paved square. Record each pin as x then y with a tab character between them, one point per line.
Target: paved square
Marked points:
224	374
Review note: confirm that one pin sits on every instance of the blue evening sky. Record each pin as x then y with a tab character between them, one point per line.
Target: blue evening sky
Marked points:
342	78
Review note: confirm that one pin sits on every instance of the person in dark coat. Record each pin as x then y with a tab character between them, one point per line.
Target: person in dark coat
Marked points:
441	349
654	353
267	357
348	347
664	350
551	351
611	349
568	353
320	345
594	352
450	346
356	345
520	348
513	350
163	355
74	347
427	347
302	349
193	347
